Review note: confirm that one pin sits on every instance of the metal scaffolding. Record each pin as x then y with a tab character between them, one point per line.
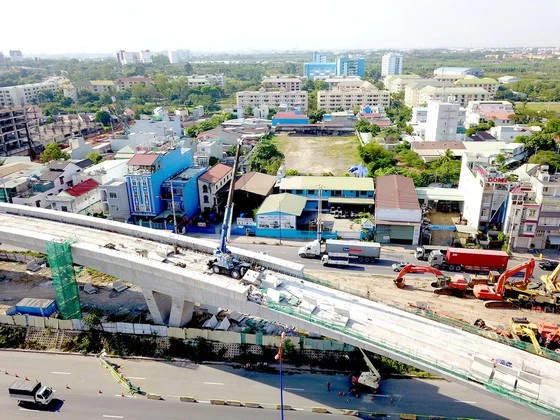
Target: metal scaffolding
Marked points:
59	256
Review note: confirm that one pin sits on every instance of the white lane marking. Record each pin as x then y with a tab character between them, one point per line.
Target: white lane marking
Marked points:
294	389
135	377
27	409
213	383
62	373
465	402
297	409
108	416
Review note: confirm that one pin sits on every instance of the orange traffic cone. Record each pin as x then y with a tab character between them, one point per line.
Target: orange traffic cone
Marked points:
122	394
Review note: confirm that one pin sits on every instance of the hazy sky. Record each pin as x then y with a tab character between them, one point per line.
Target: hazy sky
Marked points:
104	26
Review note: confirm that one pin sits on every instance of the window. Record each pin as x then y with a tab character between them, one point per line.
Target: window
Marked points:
532	213
311	192
529	228
64	208
205	199
113	195
114	208
205	188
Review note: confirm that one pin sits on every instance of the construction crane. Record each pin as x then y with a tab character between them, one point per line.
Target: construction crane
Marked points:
224	262
550	281
412	268
522	328
370	380
497	292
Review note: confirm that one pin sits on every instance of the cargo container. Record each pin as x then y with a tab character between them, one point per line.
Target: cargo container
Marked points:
36	307
457	259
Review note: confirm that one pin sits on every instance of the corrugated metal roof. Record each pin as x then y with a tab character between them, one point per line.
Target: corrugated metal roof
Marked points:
256	183
349	200
215	173
283	203
396	192
58	165
438	193
82	188
342	183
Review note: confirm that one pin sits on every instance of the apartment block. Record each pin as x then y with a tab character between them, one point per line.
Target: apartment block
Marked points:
486	83
397	83
14	138
347	97
461	95
273	99
456	73
279	82
442	121
391	64
128	82
23	95
135	57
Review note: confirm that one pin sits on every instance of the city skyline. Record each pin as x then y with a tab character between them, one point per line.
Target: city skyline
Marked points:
399	24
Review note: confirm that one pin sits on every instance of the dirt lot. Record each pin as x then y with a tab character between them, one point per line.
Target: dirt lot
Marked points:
16	283
418	290
316	155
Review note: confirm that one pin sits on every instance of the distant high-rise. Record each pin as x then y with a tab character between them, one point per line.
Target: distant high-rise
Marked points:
178	56
343	66
351	66
442	121
391	64
16	55
319	57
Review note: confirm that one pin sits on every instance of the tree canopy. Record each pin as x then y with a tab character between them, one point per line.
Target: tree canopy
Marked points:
546	157
53	152
266	157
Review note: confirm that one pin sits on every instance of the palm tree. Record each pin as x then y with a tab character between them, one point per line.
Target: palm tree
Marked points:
446	157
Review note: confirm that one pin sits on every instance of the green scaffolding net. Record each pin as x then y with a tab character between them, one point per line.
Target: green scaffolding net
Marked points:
59	256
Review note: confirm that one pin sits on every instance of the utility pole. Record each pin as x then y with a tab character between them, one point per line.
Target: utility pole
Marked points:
173	207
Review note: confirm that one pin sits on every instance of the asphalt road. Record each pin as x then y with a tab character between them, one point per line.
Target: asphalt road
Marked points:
77	381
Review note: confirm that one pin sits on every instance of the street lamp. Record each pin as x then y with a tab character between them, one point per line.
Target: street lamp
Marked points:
279	358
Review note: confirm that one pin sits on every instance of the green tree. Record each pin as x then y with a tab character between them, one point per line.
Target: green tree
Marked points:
103	117
264	154
500	159
53	152
537	141
292	172
95	157
546	157
248	111
375	157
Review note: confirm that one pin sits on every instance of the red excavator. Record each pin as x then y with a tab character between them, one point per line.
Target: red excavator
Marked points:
460	284
550	335
412	268
488	292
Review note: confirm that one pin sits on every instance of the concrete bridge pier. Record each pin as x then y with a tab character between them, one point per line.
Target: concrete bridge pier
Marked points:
181	312
159	305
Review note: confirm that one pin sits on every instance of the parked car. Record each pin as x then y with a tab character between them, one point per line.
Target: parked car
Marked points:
400	265
548	265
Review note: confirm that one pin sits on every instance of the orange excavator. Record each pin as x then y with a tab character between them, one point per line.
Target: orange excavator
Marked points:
496	293
550	335
412	268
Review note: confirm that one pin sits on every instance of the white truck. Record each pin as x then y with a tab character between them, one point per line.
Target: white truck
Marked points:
337	259
29	391
363	252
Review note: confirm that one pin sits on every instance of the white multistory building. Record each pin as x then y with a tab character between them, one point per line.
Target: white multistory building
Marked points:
273	98
501	112
135	57
441	121
23	95
351	93
391	64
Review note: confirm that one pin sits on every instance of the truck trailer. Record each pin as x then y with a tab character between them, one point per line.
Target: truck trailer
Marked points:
457	259
337	259
363	252
32	392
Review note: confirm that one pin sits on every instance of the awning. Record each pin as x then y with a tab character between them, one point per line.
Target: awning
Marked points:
554	240
466	229
388	223
350	200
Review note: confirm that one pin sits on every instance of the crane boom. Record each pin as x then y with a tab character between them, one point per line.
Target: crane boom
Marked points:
484	291
229	203
550	281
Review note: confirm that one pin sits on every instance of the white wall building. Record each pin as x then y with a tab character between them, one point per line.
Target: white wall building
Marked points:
103	172
347	97
82	198
509	133
280	82
210	183
441	121
114	200
272	98
501	112
398	83
391	64
23	95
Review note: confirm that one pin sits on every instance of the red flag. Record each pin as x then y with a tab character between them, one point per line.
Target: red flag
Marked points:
279	354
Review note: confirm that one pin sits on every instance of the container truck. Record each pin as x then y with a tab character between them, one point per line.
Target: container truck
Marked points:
423	252
457	259
363	252
30	391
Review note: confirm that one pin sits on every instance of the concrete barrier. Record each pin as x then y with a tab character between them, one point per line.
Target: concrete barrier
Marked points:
234	403
153	396
187	399
322	410
286	407
217	402
251	404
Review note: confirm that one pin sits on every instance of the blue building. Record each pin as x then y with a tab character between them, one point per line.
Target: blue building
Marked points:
183	201
289	118
349	66
342	192
147	172
313	70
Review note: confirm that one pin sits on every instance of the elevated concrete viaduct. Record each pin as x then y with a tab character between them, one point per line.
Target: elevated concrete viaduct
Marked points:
171	291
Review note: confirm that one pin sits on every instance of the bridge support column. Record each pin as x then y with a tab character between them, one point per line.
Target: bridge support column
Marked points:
181	312
159	305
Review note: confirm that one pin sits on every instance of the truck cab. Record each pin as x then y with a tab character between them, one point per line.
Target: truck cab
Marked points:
310	250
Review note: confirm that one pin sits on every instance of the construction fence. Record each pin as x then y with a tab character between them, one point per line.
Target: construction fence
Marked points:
224	337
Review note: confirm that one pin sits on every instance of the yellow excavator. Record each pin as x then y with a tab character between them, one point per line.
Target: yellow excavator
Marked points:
522	328
550	281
